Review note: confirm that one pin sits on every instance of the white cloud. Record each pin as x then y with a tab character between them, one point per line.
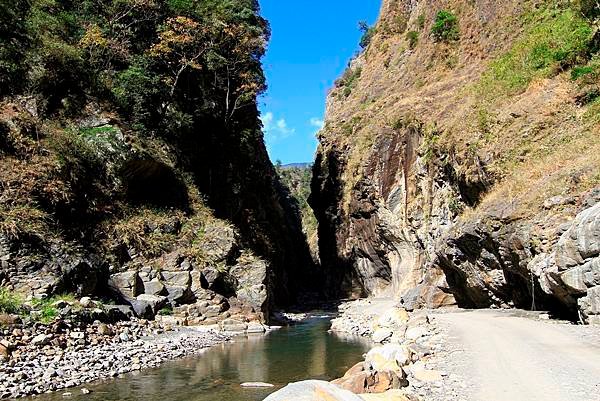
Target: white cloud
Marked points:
275	130
317	122
267	119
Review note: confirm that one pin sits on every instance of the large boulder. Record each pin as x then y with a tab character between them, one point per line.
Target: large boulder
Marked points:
388	357
179	295
251	278
219	243
80	277
127	285
154	287
572	271
312	390
147	306
117	313
233	325
177	278
360	380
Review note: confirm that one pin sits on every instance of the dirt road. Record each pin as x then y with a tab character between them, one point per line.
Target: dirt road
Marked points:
507	357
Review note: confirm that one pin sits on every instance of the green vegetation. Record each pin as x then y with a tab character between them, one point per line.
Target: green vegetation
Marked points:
18	221
413	38
10	302
421	21
348	80
555	41
297	180
173	75
431	138
589	8
45	310
445	27
162	63
168	311
367	34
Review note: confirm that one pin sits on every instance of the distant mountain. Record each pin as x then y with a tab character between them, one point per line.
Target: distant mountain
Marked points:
296	165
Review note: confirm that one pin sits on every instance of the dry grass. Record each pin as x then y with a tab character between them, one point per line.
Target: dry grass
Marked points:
505	96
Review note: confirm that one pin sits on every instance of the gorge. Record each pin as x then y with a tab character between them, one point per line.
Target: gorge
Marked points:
142	219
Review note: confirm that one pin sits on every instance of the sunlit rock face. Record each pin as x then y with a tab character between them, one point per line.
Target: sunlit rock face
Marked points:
428	185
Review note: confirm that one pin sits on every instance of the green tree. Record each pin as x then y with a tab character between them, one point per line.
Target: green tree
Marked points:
445	27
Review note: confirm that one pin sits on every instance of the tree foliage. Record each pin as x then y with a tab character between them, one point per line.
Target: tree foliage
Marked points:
445	27
367	34
161	62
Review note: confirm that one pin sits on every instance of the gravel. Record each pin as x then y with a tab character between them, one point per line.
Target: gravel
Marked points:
43	359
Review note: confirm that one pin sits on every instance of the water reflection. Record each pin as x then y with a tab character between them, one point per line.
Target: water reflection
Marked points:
289	354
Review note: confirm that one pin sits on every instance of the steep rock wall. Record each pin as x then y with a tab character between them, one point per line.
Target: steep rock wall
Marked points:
446	169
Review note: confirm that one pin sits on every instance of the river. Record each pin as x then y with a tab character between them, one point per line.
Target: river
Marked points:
294	353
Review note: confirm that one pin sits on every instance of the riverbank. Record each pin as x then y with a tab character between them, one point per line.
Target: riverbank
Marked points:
45	358
304	349
401	365
455	354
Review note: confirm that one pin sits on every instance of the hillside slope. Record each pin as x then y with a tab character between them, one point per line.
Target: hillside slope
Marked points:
132	160
458	148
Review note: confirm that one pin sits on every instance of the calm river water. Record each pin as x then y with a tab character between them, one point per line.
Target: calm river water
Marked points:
289	354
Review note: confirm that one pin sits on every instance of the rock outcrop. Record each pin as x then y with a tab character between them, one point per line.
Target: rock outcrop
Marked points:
440	181
571	272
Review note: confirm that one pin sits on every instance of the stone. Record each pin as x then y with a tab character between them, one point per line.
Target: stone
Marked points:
312	390
426	375
390	395
257	384
80	277
388	357
360	380
219	242
5	351
572	270
393	317
147	306
574	280
117	313
128	284
177	278
213	310
210	277
590	305
86	302
154	287
416	332
9	319
251	277
178	295
41	339
233	325
381	335
105	330
255	327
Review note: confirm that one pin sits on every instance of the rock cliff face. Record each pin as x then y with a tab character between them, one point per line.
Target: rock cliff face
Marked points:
458	160
132	162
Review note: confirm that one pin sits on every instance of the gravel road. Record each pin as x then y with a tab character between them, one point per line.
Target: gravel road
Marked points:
512	356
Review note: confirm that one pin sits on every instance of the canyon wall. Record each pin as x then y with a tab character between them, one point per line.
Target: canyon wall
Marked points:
459	162
132	162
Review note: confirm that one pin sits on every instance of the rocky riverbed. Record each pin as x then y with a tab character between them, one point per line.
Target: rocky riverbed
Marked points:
402	364
43	358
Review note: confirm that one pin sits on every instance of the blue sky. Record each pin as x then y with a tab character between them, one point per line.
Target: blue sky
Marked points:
311	43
